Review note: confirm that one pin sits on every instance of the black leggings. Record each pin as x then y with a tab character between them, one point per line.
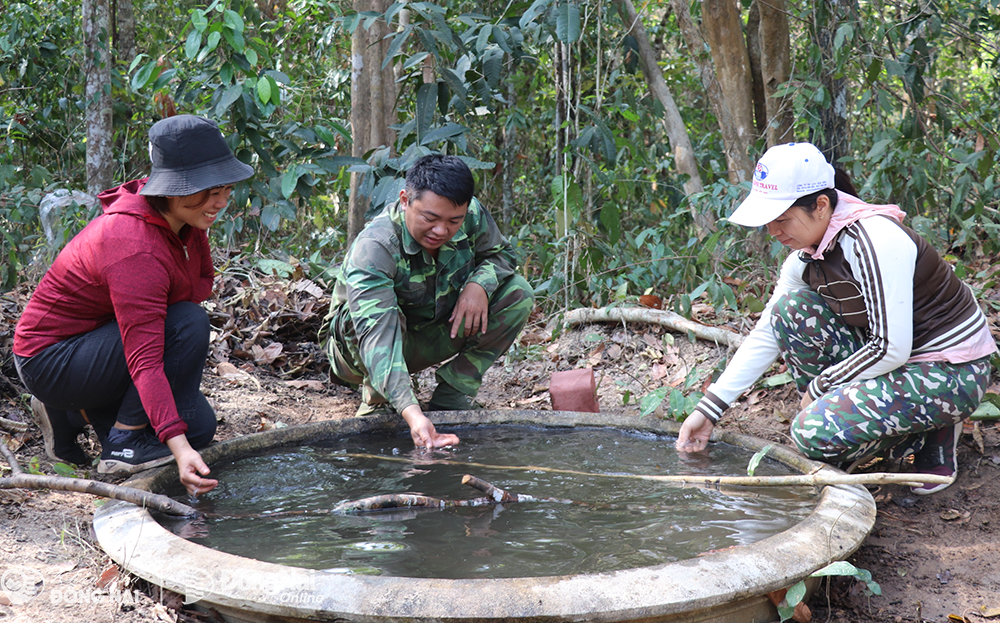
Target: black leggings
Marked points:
89	372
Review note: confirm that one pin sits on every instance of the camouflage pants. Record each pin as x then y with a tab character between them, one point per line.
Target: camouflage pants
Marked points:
888	415
430	343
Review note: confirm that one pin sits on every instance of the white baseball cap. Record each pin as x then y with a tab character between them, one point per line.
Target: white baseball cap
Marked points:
783	174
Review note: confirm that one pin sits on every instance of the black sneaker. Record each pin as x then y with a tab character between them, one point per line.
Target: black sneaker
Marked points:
131	451
58	435
939	456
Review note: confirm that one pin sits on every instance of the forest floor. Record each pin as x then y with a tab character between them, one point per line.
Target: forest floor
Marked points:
935	558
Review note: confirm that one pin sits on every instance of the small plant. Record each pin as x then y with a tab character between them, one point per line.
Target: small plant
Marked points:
842	568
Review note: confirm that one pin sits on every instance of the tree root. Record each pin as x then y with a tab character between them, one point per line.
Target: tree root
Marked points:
668	319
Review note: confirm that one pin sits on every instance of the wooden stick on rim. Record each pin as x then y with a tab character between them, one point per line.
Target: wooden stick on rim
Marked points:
816	479
155	501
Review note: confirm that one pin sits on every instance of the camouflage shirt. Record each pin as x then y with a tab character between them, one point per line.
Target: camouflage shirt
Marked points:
392	285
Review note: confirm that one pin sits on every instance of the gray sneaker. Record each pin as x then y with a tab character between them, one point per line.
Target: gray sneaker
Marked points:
58	435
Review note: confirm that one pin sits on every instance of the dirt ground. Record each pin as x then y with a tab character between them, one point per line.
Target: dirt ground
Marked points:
935	558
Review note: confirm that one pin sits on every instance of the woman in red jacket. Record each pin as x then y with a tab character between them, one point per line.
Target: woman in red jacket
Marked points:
114	335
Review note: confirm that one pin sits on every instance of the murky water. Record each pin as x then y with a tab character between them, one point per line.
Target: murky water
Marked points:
599	525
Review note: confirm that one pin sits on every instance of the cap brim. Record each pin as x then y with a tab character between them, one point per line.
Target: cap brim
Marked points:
756	211
183	183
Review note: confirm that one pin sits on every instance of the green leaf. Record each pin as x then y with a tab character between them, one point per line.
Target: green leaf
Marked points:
593	337
568	22
250	55
756	458
233	20
753	304
455	82
483	38
338	162
397	43
795	594
275	267
844	33
351	22
537	8
445	132
264	91
874	69
193	44
472	163
415	60
214	38
492	64
198	20
144	76
426	102
230	96
64	470
289	179
838	567
612	221
651	401
393	9
778	379
986	411
607	142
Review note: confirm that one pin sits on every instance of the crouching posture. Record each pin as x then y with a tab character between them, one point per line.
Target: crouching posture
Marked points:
114	335
431	279
888	347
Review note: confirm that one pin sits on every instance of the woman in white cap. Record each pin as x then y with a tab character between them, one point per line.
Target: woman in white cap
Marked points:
114	335
889	349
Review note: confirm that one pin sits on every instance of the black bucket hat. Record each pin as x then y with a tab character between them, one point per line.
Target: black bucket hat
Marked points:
190	155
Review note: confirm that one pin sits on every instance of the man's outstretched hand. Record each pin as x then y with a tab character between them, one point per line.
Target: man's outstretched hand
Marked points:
423	432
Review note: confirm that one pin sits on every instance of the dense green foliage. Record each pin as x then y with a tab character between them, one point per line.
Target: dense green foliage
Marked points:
597	210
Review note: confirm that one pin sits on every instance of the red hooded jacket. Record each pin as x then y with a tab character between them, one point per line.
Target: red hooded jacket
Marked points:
126	265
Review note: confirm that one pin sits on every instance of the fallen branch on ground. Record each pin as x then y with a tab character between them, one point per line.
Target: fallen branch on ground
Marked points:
11	426
667	319
19	480
815	479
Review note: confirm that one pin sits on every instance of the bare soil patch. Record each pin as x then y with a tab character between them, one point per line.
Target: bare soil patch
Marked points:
936	558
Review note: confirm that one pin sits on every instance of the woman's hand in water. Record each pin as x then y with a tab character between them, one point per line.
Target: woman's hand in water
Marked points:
695	433
191	466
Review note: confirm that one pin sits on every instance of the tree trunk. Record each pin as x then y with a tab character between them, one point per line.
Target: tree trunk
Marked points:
373	104
680	141
722	25
124	34
834	141
775	69
753	51
97	91
509	158
740	166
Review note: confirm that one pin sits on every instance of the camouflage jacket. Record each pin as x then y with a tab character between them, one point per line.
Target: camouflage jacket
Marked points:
392	285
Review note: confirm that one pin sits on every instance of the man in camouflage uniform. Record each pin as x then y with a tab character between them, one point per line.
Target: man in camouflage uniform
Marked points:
430	278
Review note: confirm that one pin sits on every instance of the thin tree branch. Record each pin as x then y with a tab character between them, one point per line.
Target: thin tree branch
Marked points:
157	502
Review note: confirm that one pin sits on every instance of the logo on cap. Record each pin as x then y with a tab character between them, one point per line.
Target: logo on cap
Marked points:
760	173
